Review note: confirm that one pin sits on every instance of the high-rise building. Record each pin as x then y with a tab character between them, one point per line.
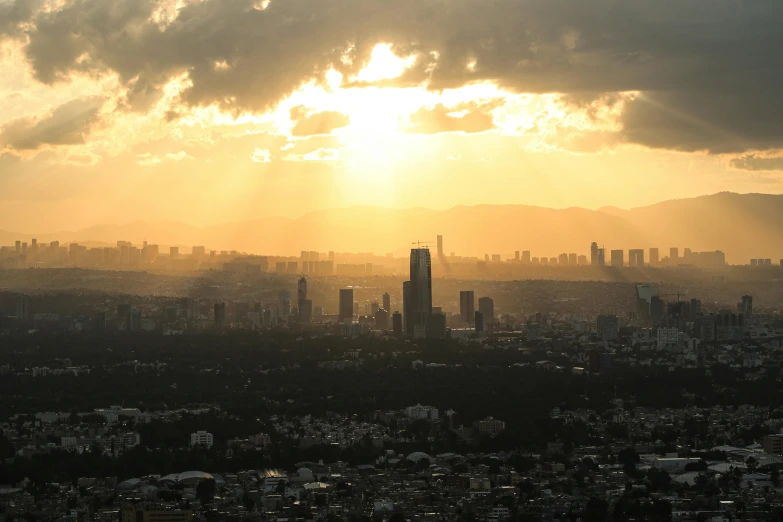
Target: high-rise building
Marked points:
23	308
486	306
516	256
301	289
420	306
220	315
305	311
636	257
573	260
746	306
283	303
406	308
467	305
346	305
674	255
601	257
526	257
174	252
617	259
562	260
397	324
387	302
478	321
440	247
607	327
436	327
654	257
382	320
594	253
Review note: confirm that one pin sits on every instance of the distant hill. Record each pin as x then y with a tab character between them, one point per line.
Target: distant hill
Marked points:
742	225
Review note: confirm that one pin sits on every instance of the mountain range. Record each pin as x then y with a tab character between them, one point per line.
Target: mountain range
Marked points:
741	225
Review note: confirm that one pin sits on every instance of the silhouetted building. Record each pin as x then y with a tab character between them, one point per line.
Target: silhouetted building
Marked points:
220	315
346	305
674	255
526	257
745	307
617	258
467	305
436	327
283	303
123	311
478	321
654	257
486	306
657	308
134	321
305	311
636	257
607	327
382	320
594	254
397	324
387	302
23	308
420	307
440	247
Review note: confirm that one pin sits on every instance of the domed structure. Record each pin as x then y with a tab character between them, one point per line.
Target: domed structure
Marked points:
305	473
416	456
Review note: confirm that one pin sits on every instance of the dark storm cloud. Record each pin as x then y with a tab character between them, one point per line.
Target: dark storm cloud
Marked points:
709	69
757	162
468	118
68	124
318	123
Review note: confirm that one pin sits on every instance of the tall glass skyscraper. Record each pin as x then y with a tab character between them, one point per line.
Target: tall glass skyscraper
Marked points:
419	306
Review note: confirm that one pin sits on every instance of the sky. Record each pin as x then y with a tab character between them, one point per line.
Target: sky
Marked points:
215	111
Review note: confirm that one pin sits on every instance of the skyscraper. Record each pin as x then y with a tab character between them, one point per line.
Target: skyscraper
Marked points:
487	308
420	288
636	257
284	303
301	290
526	257
467	305
220	315
387	302
346	304
440	247
594	253
617	258
674	255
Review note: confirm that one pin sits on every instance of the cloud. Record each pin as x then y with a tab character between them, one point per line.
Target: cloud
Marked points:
68	124
467	117
758	161
147	159
318	123
316	155
706	69
261	156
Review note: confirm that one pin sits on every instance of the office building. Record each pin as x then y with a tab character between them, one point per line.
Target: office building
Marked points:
486	306
382	320
201	437
436	327
562	260
594	253
301	289
516	256
220	315
440	247
467	305
607	327
745	307
636	257
674	255
406	308
478	322
387	302
420	307
573	259
23	308
346	305
284	303
173	252
526	257
654	257
617	258
397	324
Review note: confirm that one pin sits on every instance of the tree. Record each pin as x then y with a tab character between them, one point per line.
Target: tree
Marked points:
205	491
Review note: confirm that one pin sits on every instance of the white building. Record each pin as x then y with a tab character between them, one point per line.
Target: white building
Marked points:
421	412
667	337
201	437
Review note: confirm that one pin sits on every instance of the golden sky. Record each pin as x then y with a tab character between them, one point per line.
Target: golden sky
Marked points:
212	111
